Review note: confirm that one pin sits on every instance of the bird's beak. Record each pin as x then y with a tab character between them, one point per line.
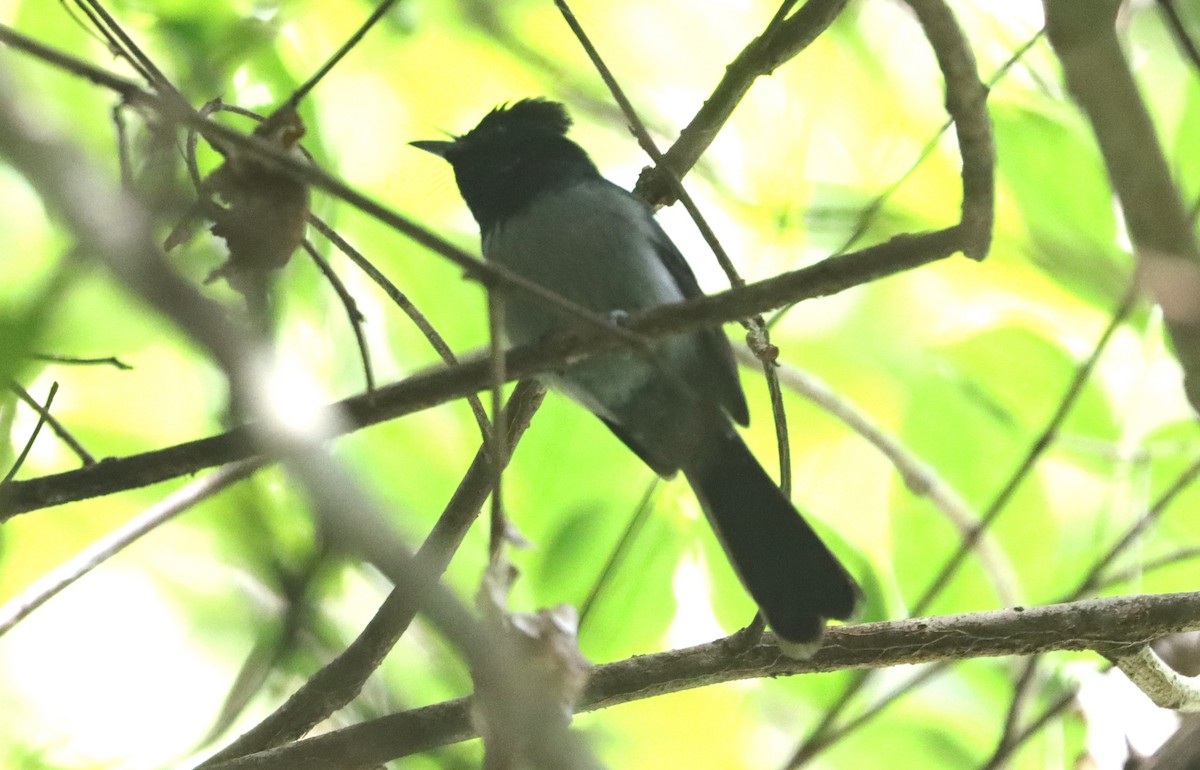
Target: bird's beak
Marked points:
438	148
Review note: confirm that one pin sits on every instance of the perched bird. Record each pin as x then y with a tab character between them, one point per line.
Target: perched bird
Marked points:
545	212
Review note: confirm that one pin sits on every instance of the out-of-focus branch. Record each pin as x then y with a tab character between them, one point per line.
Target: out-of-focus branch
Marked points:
1098	76
342	679
1097	624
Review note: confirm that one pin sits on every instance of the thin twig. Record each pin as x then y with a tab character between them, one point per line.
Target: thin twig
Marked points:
42	413
401	300
90	31
124	45
1006	749
827	733
499	530
352	312
632	528
380	11
1170	559
1092	580
1030	668
59	429
1054	709
124	160
101	32
273	643
76	361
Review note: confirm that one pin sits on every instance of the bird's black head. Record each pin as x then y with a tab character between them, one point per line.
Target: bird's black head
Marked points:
516	153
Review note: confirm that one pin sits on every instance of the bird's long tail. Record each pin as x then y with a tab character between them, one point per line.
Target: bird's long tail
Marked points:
792	576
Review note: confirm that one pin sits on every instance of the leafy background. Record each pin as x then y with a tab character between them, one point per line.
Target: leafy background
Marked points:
961	362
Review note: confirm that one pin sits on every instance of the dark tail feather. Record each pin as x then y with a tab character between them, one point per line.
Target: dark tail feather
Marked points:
795	580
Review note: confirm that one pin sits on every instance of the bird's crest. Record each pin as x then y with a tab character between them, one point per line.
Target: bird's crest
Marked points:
538	113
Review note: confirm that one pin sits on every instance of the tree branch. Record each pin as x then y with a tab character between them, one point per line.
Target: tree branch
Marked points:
433	387
1097	624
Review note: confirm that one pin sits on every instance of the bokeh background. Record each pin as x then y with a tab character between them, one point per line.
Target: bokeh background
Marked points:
215	617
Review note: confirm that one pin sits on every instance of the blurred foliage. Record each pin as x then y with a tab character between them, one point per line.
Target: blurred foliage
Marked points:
962	362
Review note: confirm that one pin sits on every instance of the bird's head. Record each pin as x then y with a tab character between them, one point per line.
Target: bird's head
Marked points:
516	152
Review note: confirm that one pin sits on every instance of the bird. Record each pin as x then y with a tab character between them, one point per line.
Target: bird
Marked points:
546	213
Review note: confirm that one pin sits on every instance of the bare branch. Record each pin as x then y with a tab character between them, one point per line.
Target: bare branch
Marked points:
380	11
352	312
1097	624
966	101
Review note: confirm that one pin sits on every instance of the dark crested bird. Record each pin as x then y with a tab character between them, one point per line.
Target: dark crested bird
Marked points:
544	211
